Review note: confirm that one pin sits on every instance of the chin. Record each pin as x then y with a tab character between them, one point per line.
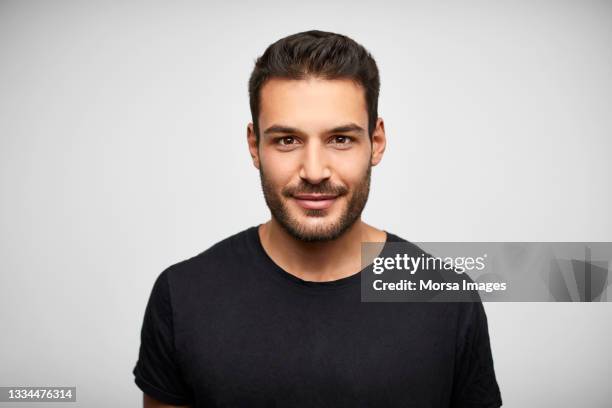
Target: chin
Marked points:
321	229
315	235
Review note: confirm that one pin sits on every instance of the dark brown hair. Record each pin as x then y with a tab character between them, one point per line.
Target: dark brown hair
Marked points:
320	54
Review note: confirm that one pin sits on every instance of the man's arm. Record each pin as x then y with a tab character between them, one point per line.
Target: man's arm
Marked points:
148	402
476	383
157	372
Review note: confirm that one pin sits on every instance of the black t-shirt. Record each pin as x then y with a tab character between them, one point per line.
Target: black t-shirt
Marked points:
229	327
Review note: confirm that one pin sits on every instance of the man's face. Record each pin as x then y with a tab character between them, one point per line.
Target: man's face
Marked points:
314	155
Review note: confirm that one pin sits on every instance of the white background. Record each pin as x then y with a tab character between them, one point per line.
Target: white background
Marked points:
123	150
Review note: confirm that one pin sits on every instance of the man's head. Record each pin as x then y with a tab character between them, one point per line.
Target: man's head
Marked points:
315	132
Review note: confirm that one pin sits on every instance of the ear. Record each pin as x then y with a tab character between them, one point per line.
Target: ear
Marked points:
379	142
252	142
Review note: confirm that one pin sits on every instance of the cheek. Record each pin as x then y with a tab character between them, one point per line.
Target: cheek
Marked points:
279	169
351	169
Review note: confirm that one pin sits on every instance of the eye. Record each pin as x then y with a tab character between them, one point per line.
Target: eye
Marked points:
341	140
286	140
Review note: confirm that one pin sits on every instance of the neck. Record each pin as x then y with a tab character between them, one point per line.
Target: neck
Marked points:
318	261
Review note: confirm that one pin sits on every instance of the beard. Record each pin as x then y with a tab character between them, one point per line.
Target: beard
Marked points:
280	212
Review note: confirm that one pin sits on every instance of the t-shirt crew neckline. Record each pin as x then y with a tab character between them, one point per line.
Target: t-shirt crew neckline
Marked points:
274	268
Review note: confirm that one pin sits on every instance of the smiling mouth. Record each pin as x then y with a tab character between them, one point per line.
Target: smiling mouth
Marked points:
315	201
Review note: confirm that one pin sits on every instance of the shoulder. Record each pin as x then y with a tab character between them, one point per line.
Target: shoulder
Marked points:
209	263
406	245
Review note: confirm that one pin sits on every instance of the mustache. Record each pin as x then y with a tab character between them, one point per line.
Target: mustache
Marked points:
322	188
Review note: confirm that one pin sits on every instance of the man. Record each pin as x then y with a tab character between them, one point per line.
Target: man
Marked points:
272	316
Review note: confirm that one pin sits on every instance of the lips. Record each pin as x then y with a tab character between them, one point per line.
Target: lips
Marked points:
315	201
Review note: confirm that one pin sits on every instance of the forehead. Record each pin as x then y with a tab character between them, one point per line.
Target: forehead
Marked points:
312	102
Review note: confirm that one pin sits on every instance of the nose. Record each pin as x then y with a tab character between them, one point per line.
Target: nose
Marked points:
315	167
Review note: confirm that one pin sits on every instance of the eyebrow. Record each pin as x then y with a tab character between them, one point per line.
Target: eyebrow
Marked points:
349	127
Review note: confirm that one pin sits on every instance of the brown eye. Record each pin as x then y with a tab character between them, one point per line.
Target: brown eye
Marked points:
341	140
287	140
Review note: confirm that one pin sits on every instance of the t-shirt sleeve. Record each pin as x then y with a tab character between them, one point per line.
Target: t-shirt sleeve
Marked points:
475	385
157	372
